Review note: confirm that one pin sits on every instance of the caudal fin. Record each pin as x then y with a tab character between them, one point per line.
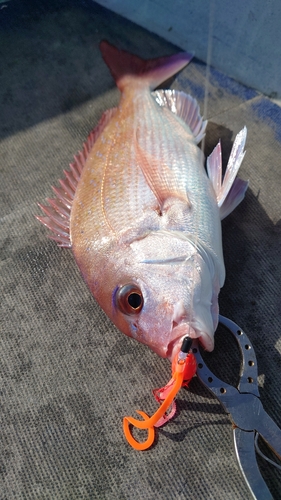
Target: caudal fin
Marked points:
126	67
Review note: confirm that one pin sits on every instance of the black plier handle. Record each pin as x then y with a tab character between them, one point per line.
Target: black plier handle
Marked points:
245	410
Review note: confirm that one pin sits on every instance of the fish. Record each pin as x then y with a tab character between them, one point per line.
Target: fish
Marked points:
141	212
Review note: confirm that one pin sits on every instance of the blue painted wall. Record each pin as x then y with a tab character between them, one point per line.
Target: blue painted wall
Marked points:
246	34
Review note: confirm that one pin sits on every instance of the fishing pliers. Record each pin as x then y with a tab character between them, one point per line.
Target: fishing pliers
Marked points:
246	412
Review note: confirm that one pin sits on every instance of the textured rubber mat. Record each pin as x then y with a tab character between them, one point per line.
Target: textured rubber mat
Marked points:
67	375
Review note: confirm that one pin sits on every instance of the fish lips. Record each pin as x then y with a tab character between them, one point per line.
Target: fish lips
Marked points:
186	330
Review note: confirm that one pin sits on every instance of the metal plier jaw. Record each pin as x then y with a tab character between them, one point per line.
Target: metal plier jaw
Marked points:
245	410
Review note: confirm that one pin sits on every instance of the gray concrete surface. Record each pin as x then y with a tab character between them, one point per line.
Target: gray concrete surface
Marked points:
67	375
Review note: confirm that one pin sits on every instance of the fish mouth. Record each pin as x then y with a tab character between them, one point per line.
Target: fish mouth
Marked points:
186	330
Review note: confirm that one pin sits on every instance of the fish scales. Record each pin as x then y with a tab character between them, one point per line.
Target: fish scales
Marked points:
173	145
140	213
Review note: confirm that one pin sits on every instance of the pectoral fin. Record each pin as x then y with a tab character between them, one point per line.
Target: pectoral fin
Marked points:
159	177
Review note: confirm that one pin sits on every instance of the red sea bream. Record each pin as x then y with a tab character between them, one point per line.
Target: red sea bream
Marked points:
141	214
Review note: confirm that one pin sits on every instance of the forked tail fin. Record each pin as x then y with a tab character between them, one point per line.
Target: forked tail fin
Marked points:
127	68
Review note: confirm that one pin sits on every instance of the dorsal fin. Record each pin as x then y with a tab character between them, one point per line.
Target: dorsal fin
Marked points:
185	107
231	191
57	213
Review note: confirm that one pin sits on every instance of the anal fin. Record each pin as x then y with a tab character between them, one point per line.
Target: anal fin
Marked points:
185	107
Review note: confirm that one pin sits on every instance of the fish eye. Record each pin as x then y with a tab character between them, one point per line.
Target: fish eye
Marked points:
129	299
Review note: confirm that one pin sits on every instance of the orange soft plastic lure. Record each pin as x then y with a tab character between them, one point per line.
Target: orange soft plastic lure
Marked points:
184	368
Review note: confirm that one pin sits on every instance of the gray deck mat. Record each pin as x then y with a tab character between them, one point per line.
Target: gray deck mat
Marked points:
67	375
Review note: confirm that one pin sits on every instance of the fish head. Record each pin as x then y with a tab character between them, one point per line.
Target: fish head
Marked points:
158	289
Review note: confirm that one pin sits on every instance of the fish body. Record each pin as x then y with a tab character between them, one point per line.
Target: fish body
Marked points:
140	213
